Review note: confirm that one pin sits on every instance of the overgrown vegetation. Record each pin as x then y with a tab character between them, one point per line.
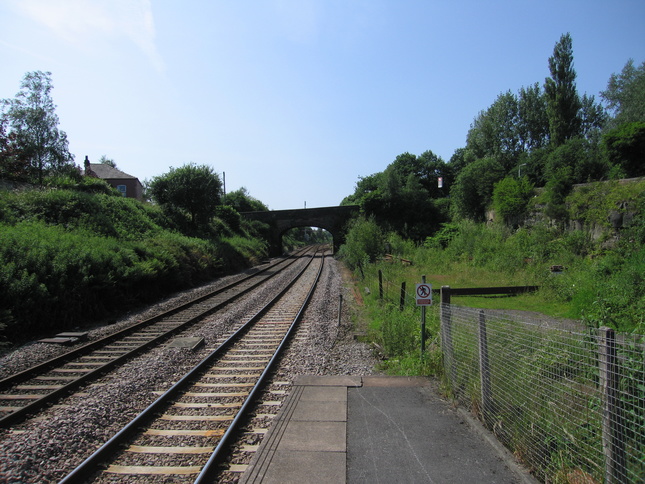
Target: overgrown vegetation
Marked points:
603	282
69	256
546	408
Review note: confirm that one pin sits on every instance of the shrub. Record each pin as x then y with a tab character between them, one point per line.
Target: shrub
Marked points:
364	243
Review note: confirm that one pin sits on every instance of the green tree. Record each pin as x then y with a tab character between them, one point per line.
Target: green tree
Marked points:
533	122
563	103
626	148
511	197
578	159
472	192
241	201
436	168
494	132
625	95
33	121
192	190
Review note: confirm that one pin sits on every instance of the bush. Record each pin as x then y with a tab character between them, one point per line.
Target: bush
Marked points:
67	256
49	275
365	242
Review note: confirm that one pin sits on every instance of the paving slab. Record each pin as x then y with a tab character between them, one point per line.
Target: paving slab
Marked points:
376	429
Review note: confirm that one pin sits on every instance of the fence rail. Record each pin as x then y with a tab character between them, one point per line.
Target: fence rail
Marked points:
569	404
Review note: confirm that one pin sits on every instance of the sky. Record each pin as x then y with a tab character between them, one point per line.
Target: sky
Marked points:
295	100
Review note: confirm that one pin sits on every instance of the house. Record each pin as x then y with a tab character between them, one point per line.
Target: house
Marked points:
128	185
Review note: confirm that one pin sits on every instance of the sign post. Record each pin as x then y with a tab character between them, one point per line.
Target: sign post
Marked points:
424	298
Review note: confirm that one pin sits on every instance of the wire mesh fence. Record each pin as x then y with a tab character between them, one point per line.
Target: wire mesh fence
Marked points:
570	404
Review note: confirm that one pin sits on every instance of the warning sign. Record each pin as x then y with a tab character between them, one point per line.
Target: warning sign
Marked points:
424	294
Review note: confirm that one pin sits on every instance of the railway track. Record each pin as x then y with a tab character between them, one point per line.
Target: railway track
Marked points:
25	393
184	434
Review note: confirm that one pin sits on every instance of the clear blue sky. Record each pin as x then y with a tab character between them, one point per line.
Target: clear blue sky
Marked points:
296	99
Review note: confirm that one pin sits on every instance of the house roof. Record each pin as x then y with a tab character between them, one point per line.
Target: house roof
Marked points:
106	172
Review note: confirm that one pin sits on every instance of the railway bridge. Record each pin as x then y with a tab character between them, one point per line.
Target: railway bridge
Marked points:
332	219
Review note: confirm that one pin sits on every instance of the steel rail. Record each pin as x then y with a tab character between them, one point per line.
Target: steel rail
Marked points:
210	468
48	398
91	465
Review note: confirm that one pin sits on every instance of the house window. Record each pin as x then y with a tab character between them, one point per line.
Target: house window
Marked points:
122	189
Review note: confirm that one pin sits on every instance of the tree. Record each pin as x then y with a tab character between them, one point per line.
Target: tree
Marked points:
472	192
626	148
241	201
192	190
563	103
12	165
494	132
625	95
33	121
533	122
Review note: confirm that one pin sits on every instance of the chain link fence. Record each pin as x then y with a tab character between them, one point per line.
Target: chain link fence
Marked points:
569	403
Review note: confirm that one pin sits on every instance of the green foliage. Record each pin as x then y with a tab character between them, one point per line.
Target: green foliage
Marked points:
473	190
593	203
442	237
50	275
230	216
241	201
563	102
406	198
577	159
626	147
103	215
190	190
511	198
365	242
625	95
69	256
494	132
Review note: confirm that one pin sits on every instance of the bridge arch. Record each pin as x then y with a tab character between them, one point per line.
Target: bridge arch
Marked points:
332	219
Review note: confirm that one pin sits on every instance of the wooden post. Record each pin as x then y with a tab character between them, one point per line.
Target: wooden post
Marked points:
380	284
402	299
446	334
613	438
484	370
340	308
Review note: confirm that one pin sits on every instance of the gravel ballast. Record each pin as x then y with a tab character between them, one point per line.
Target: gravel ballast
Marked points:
47	448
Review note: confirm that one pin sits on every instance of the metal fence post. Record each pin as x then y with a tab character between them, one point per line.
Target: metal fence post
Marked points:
402	299
484	370
446	334
380	284
613	438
